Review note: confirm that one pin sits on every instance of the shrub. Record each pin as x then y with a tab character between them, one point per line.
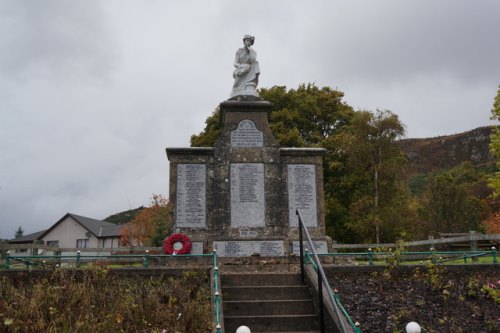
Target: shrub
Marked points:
97	301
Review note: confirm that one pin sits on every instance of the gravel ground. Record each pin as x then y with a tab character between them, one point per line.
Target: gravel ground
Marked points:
439	300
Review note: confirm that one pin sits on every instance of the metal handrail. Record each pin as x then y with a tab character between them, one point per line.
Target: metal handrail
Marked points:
78	257
217	301
321	277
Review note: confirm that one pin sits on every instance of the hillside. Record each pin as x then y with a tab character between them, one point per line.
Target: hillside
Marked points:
124	217
444	152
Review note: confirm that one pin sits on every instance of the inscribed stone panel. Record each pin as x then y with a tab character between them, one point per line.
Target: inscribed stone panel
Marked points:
320	247
247	135
247	195
274	248
302	194
191	196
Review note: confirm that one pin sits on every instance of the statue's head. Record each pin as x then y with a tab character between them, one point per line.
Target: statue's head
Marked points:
249	38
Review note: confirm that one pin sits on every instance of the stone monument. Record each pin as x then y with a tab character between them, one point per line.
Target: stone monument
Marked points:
239	197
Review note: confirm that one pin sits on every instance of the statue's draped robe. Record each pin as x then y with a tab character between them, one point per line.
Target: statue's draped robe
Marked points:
246	74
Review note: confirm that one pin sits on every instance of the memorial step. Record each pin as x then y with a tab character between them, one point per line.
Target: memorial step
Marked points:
261	279
286	332
267	302
271	307
264	293
278	323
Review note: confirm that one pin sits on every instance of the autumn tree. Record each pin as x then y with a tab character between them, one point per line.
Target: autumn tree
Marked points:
150	227
495	145
491	224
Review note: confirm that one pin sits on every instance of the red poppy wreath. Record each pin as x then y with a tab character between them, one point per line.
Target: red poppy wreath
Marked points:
171	244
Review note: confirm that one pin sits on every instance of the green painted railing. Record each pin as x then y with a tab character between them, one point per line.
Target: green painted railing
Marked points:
428	255
321	280
217	300
145	258
334	295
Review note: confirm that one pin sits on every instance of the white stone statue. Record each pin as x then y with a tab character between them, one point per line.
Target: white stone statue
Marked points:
246	74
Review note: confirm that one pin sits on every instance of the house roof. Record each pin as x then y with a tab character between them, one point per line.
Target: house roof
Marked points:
98	228
27	238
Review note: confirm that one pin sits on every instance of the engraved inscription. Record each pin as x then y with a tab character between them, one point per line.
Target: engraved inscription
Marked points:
274	248
191	196
196	248
302	194
248	233
246	135
247	195
321	247
270	248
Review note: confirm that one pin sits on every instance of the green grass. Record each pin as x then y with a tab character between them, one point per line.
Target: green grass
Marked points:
459	261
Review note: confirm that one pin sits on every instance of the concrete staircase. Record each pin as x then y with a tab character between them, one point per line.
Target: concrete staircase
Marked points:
267	302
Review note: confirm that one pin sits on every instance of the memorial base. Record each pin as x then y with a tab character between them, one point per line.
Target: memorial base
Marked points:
239	197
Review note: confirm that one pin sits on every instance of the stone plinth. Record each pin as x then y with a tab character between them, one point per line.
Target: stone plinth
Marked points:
240	195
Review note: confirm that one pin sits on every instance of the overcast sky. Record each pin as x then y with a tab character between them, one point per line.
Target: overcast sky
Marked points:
92	92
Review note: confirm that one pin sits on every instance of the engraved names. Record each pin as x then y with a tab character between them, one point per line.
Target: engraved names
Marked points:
321	247
272	248
191	196
247	195
302	194
247	135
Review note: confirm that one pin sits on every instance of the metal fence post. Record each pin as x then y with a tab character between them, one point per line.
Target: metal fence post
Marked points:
494	254
473	245
370	256
146	259
7	260
78	259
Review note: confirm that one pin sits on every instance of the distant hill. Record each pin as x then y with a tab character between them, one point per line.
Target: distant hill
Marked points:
124	217
444	152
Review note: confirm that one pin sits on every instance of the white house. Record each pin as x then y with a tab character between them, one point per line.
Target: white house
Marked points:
76	232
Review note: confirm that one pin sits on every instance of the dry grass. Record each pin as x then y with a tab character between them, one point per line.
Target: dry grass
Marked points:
96	301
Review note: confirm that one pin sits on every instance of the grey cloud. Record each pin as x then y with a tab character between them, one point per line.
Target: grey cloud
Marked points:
403	39
91	92
55	38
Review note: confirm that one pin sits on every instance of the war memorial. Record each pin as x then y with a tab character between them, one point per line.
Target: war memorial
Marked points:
240	196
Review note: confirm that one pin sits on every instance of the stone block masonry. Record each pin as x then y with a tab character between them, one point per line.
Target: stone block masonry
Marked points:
240	195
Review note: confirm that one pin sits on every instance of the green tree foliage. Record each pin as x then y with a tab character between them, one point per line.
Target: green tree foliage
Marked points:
495	145
211	132
362	165
19	232
371	183
307	116
451	202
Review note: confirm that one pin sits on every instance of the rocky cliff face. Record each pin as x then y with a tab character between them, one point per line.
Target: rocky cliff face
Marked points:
431	154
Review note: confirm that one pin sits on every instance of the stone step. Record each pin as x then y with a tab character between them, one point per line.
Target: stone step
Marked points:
260	279
264	293
286	332
279	323
271	307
